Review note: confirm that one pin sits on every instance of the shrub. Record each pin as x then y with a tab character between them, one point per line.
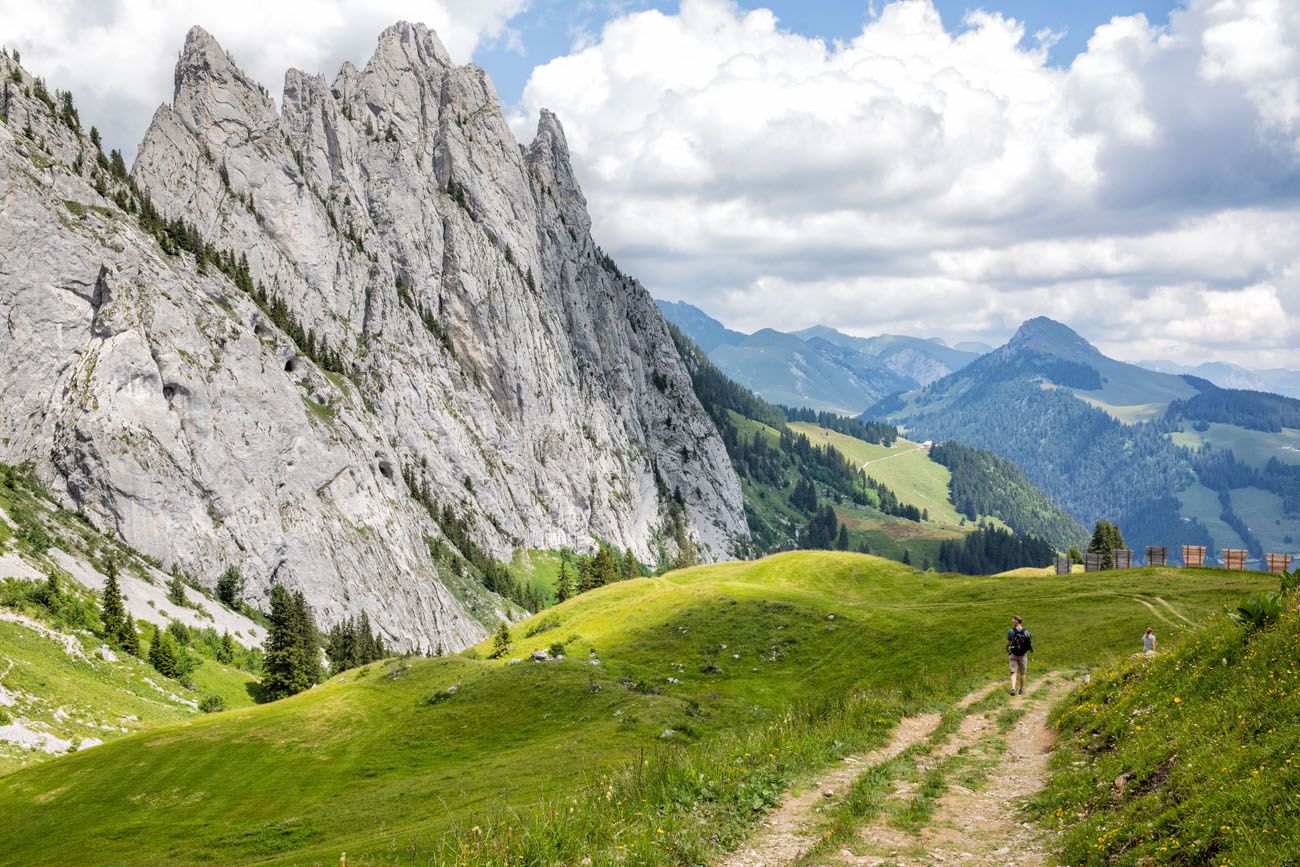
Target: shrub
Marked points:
211	703
556	650
230	587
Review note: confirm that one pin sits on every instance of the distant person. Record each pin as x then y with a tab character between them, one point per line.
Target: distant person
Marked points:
1019	646
1149	642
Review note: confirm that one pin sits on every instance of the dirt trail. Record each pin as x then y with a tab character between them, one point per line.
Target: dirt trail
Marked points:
785	837
981	826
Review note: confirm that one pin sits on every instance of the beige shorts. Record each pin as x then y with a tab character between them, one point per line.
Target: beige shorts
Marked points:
1019	664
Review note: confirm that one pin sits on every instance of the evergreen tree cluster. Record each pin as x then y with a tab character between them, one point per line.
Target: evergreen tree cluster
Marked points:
983	483
351	644
1254	410
993	550
466	553
119	628
1106	537
823	531
888	502
880	433
804	495
292	650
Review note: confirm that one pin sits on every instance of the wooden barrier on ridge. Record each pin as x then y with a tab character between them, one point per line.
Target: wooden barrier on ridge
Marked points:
1234	559
1157	556
1092	562
1194	556
1063	565
1122	558
1279	563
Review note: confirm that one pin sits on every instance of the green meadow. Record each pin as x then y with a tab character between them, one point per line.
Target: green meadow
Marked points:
699	694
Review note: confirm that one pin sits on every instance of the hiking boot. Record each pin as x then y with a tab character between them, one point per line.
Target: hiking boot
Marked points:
1022	690
1013	692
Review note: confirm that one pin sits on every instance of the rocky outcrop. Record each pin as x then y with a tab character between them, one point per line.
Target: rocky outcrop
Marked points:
481	347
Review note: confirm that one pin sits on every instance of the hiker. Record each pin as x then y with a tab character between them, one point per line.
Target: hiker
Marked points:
1019	646
1149	642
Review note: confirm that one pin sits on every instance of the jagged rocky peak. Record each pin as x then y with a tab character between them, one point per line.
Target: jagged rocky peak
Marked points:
424	320
1042	334
214	96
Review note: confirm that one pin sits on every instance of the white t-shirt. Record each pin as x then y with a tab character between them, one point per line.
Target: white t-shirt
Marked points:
1148	641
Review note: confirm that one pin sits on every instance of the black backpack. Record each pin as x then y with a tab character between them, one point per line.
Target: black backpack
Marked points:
1021	643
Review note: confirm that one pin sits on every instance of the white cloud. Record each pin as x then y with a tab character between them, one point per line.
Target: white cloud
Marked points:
117	58
951	182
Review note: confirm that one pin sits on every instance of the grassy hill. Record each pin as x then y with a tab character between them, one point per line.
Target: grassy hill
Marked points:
1187	758
61	687
906	467
683	706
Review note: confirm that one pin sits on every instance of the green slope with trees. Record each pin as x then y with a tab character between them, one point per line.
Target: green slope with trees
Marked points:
716	688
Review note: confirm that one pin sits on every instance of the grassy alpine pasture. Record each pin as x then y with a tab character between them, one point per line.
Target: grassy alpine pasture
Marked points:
684	705
1190	757
906	468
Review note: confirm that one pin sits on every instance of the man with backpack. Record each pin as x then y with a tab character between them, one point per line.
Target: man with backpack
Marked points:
1019	646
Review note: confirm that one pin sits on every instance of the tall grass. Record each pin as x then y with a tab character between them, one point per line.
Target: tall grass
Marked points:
676	805
1188	758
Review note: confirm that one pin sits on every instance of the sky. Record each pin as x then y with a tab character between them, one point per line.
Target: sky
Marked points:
929	167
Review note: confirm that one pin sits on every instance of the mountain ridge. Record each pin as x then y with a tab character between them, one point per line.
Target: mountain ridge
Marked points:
412	286
819	367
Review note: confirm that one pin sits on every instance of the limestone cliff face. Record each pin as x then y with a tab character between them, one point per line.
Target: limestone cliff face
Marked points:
482	343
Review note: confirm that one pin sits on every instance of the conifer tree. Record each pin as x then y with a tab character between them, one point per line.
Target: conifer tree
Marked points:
176	589
308	638
112	611
129	639
230	587
501	641
631	566
292	660
907	557
226	650
162	654
563	583
1106	537
842	542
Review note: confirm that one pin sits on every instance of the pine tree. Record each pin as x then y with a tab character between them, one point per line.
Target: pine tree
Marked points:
605	568
292	659
1106	537
176	589
907	557
230	587
501	641
563	583
226	650
631	567
129	639
308	639
162	654
842	542
112	611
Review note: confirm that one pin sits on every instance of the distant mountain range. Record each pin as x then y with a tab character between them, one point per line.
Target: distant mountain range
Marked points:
820	367
1276	380
1175	459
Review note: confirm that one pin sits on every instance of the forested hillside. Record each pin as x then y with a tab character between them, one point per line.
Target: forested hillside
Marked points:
824	492
985	484
1090	463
